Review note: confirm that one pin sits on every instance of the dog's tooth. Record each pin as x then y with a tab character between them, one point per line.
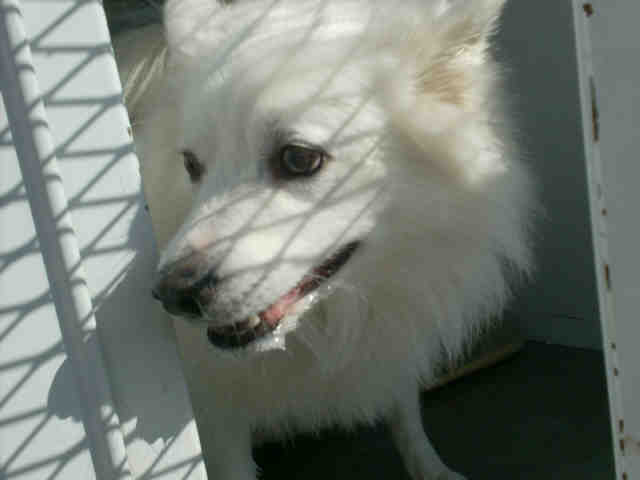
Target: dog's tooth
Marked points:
254	321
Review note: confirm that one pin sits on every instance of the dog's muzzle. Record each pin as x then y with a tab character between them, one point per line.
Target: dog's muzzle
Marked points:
187	287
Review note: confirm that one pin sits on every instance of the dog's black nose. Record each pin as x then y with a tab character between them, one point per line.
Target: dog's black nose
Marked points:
185	287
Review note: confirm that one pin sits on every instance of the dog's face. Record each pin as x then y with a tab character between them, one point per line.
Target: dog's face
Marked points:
293	131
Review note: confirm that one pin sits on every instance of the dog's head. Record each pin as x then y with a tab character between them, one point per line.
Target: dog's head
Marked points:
310	130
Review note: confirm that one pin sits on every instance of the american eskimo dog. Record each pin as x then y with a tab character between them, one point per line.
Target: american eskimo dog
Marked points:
339	202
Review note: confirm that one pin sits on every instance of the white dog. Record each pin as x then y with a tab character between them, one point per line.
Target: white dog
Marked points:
339	202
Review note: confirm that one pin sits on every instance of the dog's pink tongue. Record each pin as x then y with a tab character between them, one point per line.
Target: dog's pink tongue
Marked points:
275	312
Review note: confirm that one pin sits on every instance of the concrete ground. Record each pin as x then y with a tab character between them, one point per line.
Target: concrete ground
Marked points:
540	415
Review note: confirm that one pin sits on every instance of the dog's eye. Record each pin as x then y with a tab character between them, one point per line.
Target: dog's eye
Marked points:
298	160
192	165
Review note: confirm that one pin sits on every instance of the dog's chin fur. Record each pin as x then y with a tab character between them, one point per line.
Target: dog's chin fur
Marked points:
423	173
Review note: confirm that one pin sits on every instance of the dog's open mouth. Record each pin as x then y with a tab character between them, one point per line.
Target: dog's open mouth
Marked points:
258	325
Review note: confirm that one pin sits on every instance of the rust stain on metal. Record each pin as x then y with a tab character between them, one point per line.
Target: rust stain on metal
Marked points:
607	276
129	131
625	476
588	9
613	346
633	444
622	445
604	212
595	114
616	372
621	425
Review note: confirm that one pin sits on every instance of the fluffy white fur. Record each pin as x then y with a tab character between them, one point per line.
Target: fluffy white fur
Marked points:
406	99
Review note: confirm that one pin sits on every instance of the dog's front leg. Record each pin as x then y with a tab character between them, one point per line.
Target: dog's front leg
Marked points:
420	458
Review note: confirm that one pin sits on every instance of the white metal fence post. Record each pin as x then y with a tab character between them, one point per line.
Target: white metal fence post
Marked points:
94	387
58	243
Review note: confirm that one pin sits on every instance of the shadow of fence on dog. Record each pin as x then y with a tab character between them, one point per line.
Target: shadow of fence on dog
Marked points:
145	413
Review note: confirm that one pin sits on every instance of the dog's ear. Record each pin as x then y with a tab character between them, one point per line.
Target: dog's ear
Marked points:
453	81
469	22
460	39
187	25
